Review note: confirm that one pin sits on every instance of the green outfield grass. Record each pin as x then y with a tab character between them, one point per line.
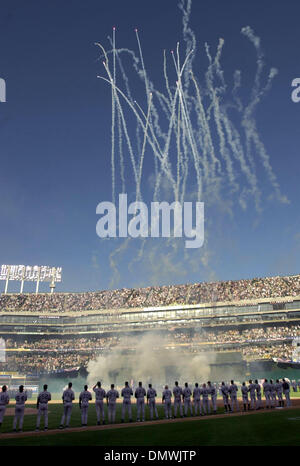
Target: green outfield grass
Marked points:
267	428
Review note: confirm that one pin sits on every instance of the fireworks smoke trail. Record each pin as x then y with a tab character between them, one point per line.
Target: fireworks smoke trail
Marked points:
249	122
113	118
197	133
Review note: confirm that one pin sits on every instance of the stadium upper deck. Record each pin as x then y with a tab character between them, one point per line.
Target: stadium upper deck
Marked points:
232	303
177	295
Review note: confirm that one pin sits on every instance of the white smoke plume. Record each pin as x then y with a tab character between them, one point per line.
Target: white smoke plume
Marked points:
150	360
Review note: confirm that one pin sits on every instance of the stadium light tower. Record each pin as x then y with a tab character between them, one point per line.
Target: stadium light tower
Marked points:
30	273
52	283
7	279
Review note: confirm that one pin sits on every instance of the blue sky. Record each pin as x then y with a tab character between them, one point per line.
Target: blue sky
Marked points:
55	135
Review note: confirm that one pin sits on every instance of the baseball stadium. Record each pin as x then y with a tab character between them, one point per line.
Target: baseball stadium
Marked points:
222	331
150	229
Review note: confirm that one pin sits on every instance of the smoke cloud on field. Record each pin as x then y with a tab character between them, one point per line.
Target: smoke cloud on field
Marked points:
150	359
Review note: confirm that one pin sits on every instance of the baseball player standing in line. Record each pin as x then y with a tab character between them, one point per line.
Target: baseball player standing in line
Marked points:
166	400
151	394
233	396
252	388
177	392
204	393
84	399
4	400
225	395
272	394
267	393
126	393
20	398
140	394
42	407
286	391
197	400
99	403
245	398
68	397
213	393
258	393
187	393
111	397
279	390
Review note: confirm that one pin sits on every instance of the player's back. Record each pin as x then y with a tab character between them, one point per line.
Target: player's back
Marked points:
4	398
99	393
140	392
266	387
278	387
126	393
197	393
85	397
68	395
233	389
204	393
224	390
244	390
252	388
151	393
21	398
212	391
186	393
112	395
177	392
44	397
167	395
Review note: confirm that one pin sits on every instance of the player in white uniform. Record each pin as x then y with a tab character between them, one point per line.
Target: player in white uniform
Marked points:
252	389
166	400
42	407
272	394
286	391
151	394
233	396
177	392
111	397
4	400
205	400
84	399
225	395
68	397
258	394
140	394
126	393
21	398
186	394
197	400
245	390
267	393
99	403
213	393
279	391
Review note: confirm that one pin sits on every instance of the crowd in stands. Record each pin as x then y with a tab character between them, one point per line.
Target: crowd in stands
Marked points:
59	344
39	364
233	290
53	354
194	337
283	351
